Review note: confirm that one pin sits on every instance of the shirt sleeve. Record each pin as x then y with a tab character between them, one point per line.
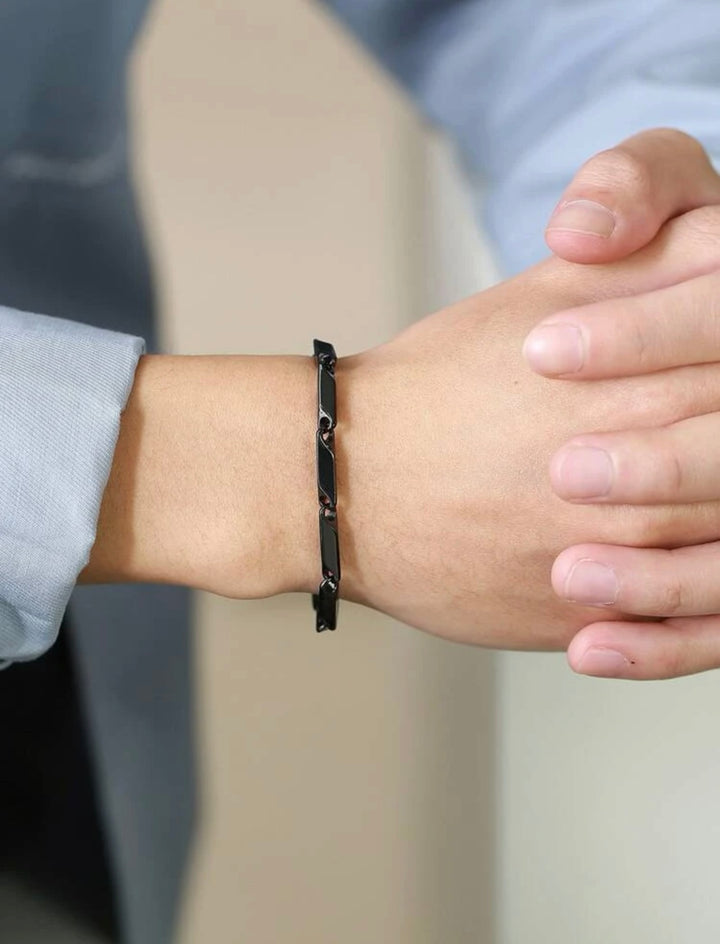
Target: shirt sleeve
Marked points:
63	387
530	89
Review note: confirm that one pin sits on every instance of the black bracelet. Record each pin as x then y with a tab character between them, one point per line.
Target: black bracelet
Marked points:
325	601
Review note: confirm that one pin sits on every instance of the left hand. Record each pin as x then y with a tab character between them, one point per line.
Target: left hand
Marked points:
646	181
621	198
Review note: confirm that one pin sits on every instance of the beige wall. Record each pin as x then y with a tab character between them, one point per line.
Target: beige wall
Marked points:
348	779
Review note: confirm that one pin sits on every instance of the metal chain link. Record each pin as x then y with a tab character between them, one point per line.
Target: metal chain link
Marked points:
325	601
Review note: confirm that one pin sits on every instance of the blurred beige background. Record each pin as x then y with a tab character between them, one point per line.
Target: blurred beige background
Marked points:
348	779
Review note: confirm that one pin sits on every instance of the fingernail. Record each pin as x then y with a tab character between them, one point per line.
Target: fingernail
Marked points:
585	472
555	349
593	583
584	216
604	662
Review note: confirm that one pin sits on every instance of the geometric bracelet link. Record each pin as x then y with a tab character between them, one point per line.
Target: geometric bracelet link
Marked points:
325	601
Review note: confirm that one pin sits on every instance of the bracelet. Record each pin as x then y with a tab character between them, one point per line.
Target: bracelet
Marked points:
325	601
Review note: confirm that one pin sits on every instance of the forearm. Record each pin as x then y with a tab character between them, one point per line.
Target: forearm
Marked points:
212	482
446	518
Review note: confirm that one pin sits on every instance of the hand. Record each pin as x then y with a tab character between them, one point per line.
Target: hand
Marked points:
621	198
447	519
651	332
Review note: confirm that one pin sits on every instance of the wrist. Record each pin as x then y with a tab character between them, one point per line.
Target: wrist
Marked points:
364	470
212	484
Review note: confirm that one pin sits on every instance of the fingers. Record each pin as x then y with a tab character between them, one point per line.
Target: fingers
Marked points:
679	464
641	581
620	198
675	464
673	326
644	583
617	204
645	651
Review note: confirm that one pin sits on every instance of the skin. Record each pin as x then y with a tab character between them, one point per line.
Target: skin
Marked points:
642	183
647	179
212	479
447	517
477	568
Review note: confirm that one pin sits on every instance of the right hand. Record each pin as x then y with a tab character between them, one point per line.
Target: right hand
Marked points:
447	519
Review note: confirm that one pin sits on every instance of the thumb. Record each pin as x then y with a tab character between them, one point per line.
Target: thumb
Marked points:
620	198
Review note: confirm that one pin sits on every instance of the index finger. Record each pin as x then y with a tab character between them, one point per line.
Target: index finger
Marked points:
671	327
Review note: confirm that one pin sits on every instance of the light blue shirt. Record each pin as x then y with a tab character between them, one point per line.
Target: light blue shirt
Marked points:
527	89
63	386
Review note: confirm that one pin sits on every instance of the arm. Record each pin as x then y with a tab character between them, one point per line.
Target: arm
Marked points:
121	467
446	519
212	483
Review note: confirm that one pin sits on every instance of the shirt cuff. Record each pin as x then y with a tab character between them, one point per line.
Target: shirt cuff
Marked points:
63	387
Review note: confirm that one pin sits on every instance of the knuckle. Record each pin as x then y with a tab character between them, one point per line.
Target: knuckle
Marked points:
670	597
621	167
679	141
636	335
667	469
